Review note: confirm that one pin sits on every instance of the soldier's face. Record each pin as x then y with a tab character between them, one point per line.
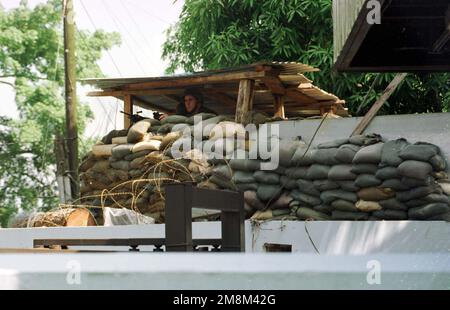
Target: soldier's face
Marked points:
190	103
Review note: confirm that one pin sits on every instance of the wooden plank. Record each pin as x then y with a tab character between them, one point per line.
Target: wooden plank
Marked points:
379	103
150	106
299	97
221	97
245	101
279	106
197	80
127	108
274	84
121	93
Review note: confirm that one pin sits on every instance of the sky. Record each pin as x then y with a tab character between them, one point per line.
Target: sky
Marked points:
141	25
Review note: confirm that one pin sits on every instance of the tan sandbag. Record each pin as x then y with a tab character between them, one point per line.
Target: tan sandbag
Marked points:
445	185
227	130
138	131
169	139
137	163
375	194
368	206
119	140
208	185
152	145
157	137
262	215
102	150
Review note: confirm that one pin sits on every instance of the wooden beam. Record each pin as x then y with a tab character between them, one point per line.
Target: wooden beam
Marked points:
279	106
197	80
121	93
223	98
149	105
274	84
299	97
245	101
379	103
127	108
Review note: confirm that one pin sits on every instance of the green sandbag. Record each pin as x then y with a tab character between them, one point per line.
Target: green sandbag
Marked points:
138	131
332	144
224	172
352	216
390	154
420	151
101	166
416	193
438	163
296	172
240	177
440	217
302	156
344	205
121	150
305	198
341	173
222	183
288	183
348	186
309	214
375	194
317	172
329	196
174	119
394	184
245	164
280	212
391	215
287	150
431	198
247	187
441	175
251	198
121	165
411	182
202	116
113	134
369	155
154	129
364	140
282	202
267	192
415	169
325	185
393	204
346	153
135	173
325	156
307	187
364	169
133	156
367	180
206	126
165	129
326	209
427	211
266	177
387	173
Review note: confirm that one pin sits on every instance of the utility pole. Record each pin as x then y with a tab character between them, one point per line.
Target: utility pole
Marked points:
71	96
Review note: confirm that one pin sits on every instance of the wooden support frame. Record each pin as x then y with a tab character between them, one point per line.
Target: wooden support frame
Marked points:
127	108
279	106
245	101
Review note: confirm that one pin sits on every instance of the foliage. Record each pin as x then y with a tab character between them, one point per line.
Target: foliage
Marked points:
32	53
221	33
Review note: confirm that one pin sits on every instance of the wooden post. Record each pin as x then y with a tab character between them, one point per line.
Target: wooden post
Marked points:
279	106
71	96
62	167
378	104
245	101
127	108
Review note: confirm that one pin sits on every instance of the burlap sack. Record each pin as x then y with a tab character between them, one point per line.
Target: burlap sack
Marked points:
152	145
344	205
352	216
419	151
325	185
368	206
375	194
102	150
393	204
137	131
364	169
367	180
346	153
445	186
341	173
369	155
119	140
307	187
427	211
305	198
414	169
329	196
310	214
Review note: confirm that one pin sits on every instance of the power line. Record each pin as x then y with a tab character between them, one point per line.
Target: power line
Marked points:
145	11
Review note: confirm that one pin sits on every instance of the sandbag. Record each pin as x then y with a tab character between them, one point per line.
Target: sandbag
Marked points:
440	217
375	194
174	119
251	198
262	215
364	140
441	175
391	215
132	156
327	209
119	140
332	144
152	145
427	211
102	150
280	212
414	169
346	153
223	171
282	202
344	205
445	186
222	183
266	177
137	131
325	156
368	206
247	187
316	172
224	130
390	154
393	204
201	116
101	166
369	155
121	165
353	216
416	193
165	129
302	156
341	173
329	196
419	151
348	186
394	184
245	164
121	150
305	198
411	182
309	214
288	183
112	134
438	163
325	185
364	169
387	173
367	180
297	172
287	149
137	163
267	192
307	187
243	177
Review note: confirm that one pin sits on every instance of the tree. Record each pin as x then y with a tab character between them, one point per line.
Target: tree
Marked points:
31	52
221	33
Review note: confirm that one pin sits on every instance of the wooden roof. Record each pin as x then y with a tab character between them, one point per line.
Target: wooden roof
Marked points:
220	89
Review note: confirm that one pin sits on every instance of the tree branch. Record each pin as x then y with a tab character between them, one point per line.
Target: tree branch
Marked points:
8	83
